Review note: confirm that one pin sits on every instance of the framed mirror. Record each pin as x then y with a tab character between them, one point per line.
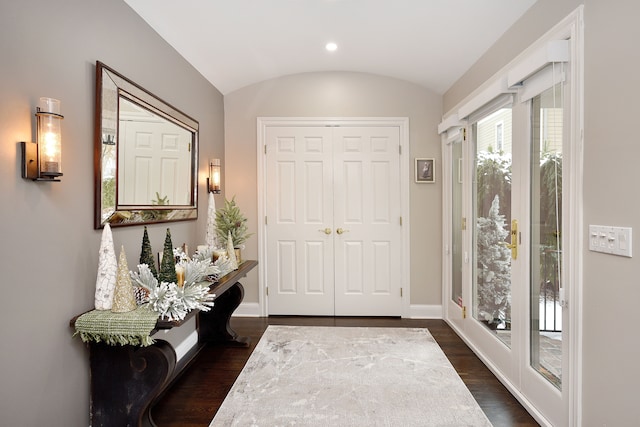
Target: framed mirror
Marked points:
146	155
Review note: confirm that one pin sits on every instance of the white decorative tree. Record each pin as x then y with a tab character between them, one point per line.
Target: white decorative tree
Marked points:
494	265
231	253
107	270
211	238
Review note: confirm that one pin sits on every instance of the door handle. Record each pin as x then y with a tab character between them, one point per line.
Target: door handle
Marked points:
341	231
326	230
514	239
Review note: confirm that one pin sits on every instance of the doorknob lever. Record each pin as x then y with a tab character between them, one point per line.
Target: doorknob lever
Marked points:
514	240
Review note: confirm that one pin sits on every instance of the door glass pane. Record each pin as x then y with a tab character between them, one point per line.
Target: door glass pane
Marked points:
456	220
492	224
546	233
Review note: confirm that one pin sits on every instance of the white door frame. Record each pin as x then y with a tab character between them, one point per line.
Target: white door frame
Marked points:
405	179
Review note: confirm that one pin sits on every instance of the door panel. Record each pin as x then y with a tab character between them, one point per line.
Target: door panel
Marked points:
544	376
546	231
454	224
492	224
299	211
492	268
287	283
367	210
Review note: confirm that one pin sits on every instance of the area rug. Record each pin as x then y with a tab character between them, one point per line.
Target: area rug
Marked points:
348	376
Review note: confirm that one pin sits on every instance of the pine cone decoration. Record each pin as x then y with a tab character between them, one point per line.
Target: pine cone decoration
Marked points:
141	294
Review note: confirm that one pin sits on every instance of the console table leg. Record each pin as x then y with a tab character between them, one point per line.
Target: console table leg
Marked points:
214	325
125	380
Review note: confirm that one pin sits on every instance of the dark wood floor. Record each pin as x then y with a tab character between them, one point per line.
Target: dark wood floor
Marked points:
196	396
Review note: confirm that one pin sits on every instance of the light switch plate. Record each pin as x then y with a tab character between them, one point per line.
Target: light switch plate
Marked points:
610	240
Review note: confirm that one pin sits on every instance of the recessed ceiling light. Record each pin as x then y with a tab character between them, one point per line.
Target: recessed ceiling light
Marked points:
331	46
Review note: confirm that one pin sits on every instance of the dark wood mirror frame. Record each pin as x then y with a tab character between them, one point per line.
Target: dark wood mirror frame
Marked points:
111	87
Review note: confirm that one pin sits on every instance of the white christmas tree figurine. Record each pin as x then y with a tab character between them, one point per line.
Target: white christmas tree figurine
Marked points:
211	239
231	253
124	299
107	270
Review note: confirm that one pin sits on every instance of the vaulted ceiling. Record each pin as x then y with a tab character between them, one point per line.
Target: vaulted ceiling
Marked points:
235	43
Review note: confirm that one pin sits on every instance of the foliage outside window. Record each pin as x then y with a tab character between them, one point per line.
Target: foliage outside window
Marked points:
493	175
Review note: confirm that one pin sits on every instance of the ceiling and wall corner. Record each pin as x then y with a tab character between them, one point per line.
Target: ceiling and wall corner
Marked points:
238	43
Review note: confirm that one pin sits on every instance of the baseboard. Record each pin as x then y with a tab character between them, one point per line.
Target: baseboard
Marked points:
186	345
416	311
247	309
528	406
424	311
181	339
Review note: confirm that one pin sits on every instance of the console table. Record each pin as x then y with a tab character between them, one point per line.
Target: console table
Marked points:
127	380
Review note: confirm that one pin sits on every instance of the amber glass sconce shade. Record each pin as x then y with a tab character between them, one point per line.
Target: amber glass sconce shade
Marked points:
213	181
42	160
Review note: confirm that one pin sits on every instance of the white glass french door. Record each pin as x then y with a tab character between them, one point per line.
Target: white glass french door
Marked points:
512	169
547	334
453	227
491	284
504	241
494	228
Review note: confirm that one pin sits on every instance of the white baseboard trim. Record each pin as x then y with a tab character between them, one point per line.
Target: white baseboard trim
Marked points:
187	344
416	311
247	309
424	311
526	403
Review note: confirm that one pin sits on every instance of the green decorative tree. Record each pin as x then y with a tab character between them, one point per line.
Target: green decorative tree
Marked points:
550	221
493	176
550	197
494	266
146	255
168	264
230	219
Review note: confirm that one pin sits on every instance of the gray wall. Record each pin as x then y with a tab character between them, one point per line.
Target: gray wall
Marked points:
342	94
49	249
610	289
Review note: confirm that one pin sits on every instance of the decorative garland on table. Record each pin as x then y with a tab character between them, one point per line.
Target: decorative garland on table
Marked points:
128	304
170	300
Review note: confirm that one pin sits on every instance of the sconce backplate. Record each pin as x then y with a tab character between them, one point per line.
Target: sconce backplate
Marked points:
29	160
30	163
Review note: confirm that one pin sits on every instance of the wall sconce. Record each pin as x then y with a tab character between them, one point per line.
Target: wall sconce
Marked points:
41	160
213	181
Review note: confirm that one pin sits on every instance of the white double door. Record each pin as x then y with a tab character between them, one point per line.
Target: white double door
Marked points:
333	234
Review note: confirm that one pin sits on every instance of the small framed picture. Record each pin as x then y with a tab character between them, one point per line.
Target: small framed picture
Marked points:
425	171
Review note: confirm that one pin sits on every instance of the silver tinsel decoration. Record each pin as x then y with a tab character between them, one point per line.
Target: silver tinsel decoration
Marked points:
173	302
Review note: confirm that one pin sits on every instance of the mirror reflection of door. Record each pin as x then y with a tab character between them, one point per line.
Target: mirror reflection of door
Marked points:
155	162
